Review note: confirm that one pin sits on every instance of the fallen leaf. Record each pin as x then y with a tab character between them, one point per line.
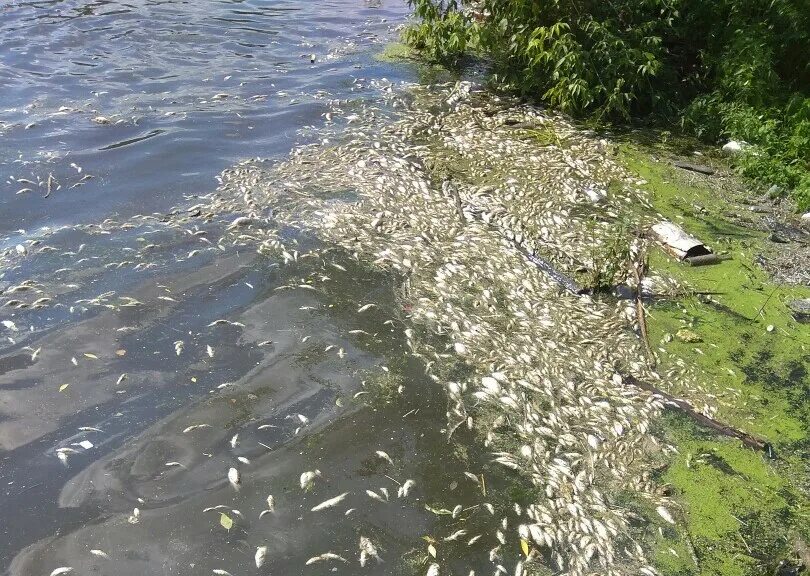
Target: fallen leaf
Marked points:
225	521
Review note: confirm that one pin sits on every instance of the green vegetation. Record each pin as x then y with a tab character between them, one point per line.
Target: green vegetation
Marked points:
720	69
742	512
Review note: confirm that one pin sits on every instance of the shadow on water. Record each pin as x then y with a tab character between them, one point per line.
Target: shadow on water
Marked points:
292	405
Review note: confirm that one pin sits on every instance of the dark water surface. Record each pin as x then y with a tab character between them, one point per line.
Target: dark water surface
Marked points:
111	349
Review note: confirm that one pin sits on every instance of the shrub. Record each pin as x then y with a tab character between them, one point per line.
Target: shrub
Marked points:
724	68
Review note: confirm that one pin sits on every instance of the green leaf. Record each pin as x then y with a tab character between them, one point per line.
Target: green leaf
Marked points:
225	521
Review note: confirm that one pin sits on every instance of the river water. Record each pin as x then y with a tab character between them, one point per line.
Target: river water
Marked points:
115	109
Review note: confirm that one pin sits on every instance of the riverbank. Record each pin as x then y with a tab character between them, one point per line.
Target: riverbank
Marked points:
448	198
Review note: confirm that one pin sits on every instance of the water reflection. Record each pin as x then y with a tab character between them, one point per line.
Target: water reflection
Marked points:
94	389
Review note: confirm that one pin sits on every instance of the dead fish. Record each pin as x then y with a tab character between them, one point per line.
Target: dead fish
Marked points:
374	496
324	557
271	506
384	456
455	535
307	479
62	570
329	503
261	555
241	221
220	572
433	570
664	513
234	441
403	490
365	307
178	347
243	460
234	477
135	517
195	427
368	550
210	351
100	554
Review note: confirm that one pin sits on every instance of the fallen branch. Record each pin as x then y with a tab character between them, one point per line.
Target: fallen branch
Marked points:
702	419
695	168
538	261
638	271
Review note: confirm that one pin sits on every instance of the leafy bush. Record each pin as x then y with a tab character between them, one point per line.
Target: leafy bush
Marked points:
724	68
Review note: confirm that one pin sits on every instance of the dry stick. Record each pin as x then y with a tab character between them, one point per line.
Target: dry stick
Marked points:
639	270
684	406
702	419
768	299
459	209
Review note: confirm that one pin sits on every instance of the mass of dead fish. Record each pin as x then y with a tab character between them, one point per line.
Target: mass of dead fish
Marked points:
544	385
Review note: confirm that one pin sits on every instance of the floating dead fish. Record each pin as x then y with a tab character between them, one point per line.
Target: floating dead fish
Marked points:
100	554
261	555
403	490
325	557
234	477
374	496
307	479
664	513
384	456
368	550
330	503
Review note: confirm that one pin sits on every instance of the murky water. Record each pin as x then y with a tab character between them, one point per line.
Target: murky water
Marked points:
111	110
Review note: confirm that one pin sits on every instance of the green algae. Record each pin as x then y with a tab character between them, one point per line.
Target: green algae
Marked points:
396	52
742	511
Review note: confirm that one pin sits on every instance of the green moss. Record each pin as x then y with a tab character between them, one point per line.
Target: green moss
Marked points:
737	506
741	510
395	52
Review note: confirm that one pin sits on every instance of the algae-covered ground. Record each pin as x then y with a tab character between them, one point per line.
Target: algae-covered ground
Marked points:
743	512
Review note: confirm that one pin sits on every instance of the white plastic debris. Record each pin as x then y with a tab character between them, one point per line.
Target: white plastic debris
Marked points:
734	147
